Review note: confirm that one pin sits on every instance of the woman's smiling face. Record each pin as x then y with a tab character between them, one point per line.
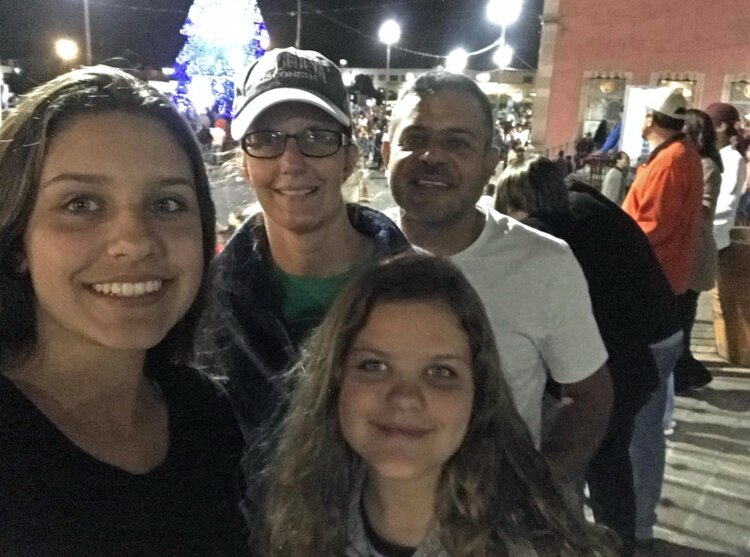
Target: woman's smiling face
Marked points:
113	245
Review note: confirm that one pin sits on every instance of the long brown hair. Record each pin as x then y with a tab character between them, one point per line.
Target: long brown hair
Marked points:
496	486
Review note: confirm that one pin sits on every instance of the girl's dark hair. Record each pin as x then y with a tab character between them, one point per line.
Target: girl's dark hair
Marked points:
618	156
700	129
24	139
495	487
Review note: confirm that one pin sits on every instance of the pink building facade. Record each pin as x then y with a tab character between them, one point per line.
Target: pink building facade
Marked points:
592	50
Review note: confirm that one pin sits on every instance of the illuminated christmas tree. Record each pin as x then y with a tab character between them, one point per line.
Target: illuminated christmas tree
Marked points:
222	37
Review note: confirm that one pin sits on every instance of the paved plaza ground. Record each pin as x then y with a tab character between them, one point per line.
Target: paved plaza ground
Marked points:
705	505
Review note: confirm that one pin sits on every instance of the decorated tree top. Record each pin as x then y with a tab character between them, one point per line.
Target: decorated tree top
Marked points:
222	37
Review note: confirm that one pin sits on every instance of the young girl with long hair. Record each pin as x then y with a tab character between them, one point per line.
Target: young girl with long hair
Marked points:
402	437
109	445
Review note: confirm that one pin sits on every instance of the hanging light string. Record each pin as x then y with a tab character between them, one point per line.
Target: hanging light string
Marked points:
368	7
482	50
310	10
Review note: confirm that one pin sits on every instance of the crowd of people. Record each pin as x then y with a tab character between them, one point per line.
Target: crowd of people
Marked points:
439	380
370	122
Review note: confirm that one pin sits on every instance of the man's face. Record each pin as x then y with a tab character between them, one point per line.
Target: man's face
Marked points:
439	156
722	133
648	121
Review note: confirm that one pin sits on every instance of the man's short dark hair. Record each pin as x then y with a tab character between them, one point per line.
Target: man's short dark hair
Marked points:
438	80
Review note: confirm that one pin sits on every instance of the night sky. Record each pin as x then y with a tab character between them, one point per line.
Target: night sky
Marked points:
337	28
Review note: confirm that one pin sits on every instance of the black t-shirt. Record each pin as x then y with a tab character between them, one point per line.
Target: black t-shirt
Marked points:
382	547
57	500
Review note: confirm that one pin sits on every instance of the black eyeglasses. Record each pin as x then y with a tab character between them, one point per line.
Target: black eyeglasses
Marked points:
312	143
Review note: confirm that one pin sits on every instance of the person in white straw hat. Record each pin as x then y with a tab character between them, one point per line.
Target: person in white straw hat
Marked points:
666	201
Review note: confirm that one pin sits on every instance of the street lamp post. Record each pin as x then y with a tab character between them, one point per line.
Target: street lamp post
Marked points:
87	31
298	38
389	33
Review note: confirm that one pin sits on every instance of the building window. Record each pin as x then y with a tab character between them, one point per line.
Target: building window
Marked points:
393	77
684	86
690	84
381	77
739	96
605	101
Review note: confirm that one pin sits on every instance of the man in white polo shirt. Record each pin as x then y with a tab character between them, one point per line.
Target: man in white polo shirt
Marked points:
439	158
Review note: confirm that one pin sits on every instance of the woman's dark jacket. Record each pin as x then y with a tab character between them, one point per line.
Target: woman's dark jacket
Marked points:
244	337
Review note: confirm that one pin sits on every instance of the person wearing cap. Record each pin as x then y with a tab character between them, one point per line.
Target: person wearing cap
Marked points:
665	200
725	119
665	197
283	267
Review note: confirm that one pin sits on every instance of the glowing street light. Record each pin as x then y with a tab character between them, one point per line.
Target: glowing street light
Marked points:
389	34
456	61
503	12
503	56
66	49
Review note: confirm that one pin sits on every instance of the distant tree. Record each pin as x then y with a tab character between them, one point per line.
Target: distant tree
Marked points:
222	37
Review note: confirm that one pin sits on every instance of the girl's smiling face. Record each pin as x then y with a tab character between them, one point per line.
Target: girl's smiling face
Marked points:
113	244
407	390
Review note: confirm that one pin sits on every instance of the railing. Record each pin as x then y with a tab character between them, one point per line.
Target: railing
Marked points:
599	165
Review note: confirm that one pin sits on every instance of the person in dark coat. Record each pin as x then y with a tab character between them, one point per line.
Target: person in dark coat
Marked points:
633	306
